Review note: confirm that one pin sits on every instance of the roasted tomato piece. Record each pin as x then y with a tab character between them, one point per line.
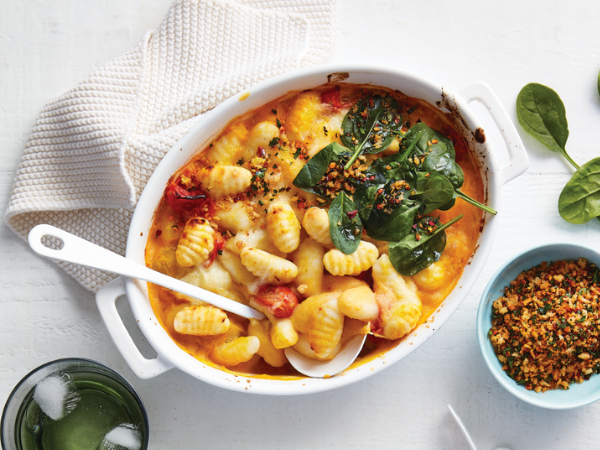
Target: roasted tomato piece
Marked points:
279	300
219	244
188	202
332	97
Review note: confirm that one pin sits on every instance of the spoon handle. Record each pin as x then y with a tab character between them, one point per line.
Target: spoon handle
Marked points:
79	251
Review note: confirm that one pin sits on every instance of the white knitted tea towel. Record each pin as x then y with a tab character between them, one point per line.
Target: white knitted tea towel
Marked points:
93	149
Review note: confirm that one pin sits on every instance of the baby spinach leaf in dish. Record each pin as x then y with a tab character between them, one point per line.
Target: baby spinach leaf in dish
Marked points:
370	126
345	226
420	248
579	201
317	166
433	191
393	225
434	153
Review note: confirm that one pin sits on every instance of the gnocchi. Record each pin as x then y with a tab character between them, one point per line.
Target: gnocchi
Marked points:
201	321
316	224
196	243
338	263
220	181
283	227
235	221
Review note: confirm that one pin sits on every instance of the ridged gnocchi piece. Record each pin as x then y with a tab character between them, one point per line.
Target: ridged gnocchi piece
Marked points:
232	263
220	181
283	334
283	227
309	260
235	217
302	117
201	321
262	330
320	318
430	278
302	316
261	134
316	224
257	238
228	148
214	279
269	268
196	243
359	303
235	352
399	304
338	263
303	347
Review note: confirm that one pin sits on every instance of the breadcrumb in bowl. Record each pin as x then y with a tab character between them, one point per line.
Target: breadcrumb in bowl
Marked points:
577	394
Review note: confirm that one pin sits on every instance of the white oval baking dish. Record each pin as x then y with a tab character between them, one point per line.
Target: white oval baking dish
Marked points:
170	355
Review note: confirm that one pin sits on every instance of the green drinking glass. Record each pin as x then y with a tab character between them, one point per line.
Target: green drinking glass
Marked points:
74	404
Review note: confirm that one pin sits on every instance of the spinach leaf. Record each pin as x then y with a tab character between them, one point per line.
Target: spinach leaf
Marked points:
542	114
345	226
417	251
425	137
370	126
438	151
579	201
377	176
432	192
364	197
392	226
450	204
474	202
439	157
317	166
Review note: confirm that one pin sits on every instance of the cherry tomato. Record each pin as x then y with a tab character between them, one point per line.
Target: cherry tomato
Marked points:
187	202
332	97
279	300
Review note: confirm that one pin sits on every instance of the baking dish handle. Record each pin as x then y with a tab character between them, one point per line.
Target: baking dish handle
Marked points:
106	299
518	161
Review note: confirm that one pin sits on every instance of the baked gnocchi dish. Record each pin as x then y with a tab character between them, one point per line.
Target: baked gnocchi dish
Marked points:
336	211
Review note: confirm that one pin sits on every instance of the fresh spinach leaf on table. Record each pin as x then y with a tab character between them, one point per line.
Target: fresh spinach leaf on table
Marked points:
345	226
420	248
370	126
541	113
579	201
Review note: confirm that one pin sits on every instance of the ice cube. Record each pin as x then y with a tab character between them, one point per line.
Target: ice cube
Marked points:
123	437
34	418
57	395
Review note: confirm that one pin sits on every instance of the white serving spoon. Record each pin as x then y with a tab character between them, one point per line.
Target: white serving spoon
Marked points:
79	251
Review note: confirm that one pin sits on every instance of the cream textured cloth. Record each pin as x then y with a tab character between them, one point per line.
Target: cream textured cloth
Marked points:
93	149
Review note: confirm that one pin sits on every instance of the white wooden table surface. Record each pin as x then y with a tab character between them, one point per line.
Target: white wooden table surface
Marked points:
47	47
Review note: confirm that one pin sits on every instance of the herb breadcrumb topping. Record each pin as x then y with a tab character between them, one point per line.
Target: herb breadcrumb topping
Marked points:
546	327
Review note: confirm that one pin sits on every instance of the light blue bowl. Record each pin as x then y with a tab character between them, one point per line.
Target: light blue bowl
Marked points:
579	394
